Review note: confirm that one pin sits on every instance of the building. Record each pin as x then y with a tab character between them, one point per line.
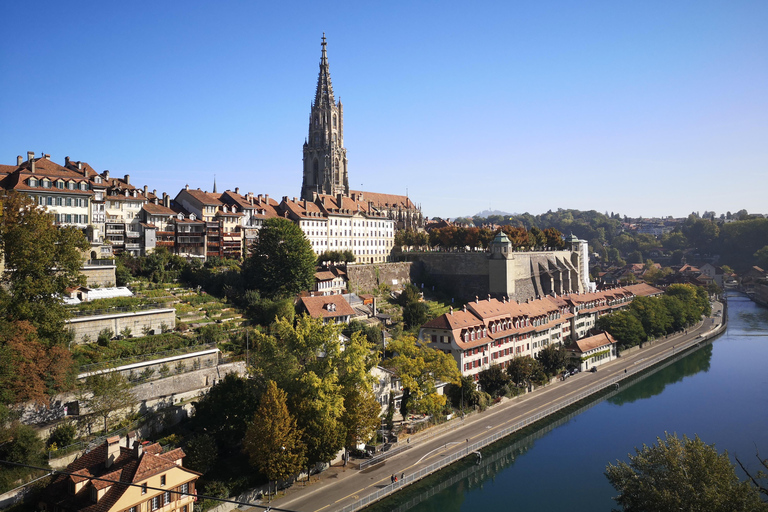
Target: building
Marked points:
495	331
114	478
330	281
331	308
592	351
325	166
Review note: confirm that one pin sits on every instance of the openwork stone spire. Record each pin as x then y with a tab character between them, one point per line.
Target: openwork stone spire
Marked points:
325	158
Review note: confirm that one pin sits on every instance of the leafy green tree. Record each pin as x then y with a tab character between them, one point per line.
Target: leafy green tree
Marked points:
415	312
552	358
202	452
420	368
464	393
524	371
63	435
653	314
225	411
361	416
282	262
41	260
624	327
109	393
492	380
674	241
273	441
681	475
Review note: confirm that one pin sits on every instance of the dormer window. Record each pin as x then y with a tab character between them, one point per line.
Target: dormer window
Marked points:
83	186
46	183
192	216
71	185
32	182
97	179
94	494
180	216
59	184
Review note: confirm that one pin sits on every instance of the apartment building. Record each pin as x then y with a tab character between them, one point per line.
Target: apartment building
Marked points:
495	331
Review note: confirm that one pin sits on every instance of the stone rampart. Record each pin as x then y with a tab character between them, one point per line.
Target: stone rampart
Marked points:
366	278
137	321
462	275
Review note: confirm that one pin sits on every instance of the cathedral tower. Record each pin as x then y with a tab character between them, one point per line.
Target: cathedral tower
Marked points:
325	158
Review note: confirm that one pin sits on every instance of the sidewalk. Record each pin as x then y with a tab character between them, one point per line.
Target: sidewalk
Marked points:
343	488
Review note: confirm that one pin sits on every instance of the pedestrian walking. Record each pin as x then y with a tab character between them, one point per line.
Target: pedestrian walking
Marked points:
402	476
392	478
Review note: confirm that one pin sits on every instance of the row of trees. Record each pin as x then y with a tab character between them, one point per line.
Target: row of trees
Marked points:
651	317
473	237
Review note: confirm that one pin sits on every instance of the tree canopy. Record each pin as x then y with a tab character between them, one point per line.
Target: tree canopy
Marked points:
420	367
41	260
282	262
681	475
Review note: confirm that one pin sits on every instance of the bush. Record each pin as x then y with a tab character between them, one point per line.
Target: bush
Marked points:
63	435
105	335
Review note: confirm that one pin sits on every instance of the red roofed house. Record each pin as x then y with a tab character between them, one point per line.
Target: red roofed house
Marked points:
592	351
331	308
98	481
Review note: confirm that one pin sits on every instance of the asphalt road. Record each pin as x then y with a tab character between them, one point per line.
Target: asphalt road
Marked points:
338	487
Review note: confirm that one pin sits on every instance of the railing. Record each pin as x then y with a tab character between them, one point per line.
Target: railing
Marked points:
614	381
124	309
115	363
100	263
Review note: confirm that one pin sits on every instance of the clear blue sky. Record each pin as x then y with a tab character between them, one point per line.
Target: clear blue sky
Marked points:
642	108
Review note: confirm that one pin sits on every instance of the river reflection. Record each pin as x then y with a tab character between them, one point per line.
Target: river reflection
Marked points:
714	391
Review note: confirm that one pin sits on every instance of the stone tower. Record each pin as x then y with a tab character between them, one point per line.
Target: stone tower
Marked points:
325	158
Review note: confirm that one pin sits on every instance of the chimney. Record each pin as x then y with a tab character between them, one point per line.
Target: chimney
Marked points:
314	196
339	197
113	450
146	191
79	166
130	437
266	198
31	160
154	191
305	204
105	174
66	161
451	311
156	200
477	300
127	179
19	160
138	449
47	156
237	190
166	200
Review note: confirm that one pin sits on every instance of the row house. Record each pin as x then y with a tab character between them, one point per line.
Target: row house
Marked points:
223	238
495	331
114	478
342	223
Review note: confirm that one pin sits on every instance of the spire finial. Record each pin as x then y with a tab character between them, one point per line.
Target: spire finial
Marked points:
214	183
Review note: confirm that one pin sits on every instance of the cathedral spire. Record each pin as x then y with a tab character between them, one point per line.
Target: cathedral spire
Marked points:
324	93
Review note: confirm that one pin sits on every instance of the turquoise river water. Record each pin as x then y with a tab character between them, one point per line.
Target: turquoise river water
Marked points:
719	392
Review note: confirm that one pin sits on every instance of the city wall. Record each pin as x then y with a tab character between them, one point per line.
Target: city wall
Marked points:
97	276
137	321
366	278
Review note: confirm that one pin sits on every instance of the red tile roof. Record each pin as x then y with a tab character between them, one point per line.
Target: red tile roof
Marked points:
317	306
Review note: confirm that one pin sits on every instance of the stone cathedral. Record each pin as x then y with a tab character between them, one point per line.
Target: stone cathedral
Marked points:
325	158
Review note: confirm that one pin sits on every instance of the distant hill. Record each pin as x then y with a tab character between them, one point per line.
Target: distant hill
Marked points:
488	213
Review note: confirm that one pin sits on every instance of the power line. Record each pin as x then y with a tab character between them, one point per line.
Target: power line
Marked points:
142	486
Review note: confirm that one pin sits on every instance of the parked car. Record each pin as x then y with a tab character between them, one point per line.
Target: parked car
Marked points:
565	375
574	371
593	369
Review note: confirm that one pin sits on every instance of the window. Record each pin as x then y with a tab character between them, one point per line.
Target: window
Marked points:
184	489
166	497
154	503
162	480
132	509
144	488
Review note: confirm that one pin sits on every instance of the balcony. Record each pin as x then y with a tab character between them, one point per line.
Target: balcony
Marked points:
132	234
113	231
132	247
165	243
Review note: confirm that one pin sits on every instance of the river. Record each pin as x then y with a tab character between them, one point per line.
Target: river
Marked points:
718	392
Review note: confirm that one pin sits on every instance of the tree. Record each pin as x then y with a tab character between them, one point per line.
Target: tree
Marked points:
624	327
524	371
464	394
361	416
415	312
552	358
681	475
419	368
226	410
652	314
110	392
492	380
282	262
272	441
41	260
762	257
201	453
28	369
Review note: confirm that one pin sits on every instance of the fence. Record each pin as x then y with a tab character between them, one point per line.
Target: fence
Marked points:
116	363
124	309
475	447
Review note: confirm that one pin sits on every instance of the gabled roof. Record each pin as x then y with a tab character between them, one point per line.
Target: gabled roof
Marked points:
602	339
157	209
318	306
203	197
385	200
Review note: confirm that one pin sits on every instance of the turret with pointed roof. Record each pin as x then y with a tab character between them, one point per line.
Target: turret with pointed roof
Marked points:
325	158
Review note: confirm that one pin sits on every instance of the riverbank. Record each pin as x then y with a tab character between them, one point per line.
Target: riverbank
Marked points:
349	489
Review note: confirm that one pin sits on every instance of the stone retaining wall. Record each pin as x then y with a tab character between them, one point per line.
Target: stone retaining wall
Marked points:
366	278
137	321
